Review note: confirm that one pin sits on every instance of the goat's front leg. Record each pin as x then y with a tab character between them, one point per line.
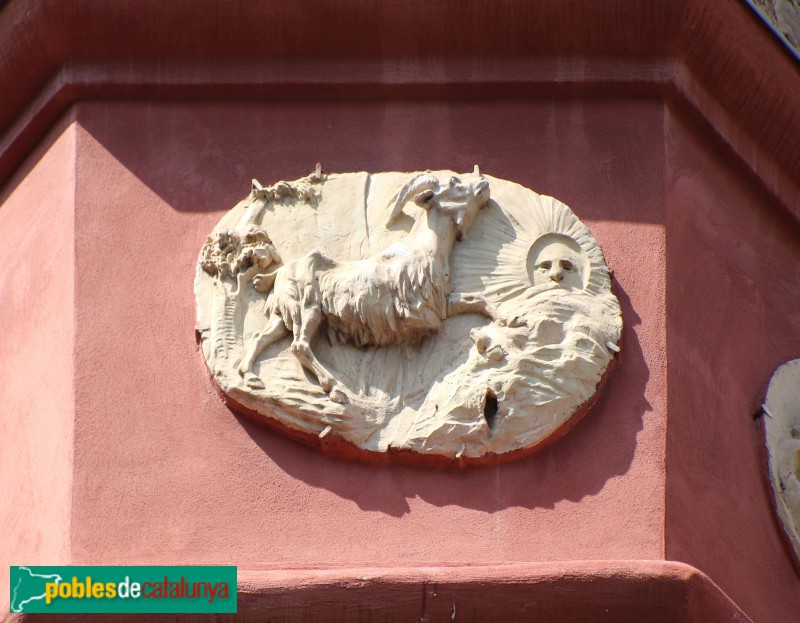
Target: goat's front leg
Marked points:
275	330
310	318
471	304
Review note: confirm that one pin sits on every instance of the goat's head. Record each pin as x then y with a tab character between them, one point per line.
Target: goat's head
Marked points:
459	199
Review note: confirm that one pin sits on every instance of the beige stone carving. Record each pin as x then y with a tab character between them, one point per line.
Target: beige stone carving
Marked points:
782	424
460	317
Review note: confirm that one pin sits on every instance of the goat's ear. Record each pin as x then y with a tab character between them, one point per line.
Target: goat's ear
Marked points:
424	199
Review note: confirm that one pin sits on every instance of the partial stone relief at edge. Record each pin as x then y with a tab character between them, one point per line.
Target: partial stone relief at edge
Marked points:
452	316
782	425
784	15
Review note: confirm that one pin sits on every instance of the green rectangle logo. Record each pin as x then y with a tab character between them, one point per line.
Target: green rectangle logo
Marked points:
112	589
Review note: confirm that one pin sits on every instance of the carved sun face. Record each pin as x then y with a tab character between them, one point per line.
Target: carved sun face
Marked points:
558	264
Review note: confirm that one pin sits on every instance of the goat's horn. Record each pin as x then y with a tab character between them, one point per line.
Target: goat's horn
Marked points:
423	181
476	170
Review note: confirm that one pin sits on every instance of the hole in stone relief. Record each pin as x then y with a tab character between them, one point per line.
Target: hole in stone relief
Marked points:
490	409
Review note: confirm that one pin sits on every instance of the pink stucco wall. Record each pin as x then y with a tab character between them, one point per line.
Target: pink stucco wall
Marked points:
733	297
666	465
671	129
165	473
36	366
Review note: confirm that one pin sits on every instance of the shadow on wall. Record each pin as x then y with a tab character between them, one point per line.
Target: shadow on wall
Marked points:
600	447
200	156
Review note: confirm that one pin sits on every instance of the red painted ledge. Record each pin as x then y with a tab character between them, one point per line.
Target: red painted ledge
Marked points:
638	591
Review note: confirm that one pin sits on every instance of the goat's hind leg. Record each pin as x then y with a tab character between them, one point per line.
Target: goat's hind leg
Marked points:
310	319
275	330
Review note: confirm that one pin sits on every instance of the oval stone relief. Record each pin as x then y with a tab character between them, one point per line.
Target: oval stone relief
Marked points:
419	317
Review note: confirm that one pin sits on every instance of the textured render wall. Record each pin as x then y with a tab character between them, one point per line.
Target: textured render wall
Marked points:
732	318
165	473
36	392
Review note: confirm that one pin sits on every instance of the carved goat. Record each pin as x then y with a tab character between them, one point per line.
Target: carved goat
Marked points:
398	296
